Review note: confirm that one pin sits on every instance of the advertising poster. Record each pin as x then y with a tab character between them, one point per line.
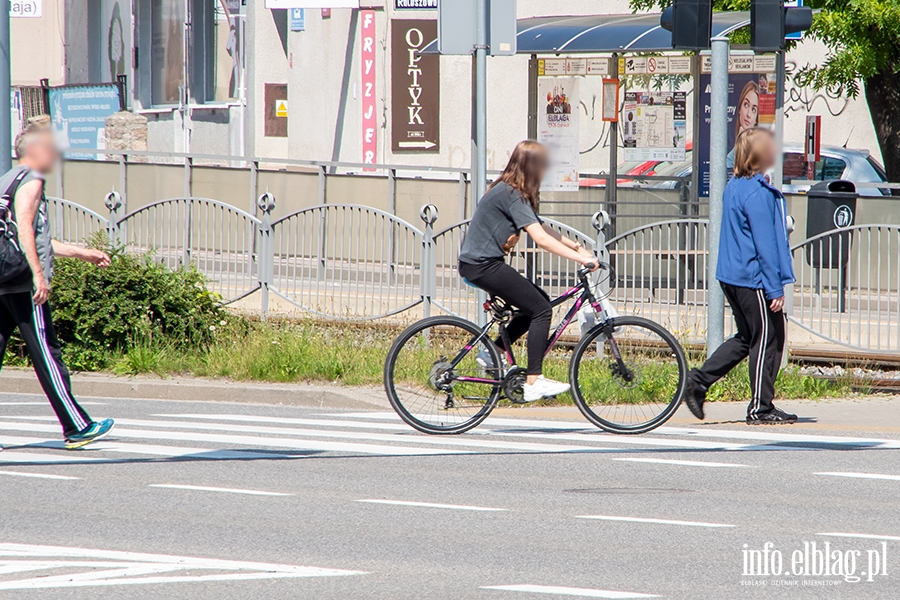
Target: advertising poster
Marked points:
369	112
654	126
751	103
416	88
558	131
78	114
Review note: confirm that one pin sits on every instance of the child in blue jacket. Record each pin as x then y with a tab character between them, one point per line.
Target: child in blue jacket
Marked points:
754	266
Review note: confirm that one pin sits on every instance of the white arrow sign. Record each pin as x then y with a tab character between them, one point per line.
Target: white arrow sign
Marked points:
65	567
426	145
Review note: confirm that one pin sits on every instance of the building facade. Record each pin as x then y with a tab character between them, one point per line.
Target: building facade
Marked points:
233	77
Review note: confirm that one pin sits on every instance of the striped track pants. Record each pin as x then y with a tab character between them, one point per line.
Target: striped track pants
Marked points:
761	336
36	328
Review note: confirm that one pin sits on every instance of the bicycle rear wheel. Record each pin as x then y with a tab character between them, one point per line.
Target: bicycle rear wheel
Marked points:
636	392
422	384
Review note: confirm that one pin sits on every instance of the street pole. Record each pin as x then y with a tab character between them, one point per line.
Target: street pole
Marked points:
479	157
778	172
718	174
5	82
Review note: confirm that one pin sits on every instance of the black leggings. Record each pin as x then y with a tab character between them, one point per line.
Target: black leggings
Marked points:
499	279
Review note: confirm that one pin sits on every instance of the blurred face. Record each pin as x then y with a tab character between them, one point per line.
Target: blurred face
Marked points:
541	163
42	152
748	112
768	153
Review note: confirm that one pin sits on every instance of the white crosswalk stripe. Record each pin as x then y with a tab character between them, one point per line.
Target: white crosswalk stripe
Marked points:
230	436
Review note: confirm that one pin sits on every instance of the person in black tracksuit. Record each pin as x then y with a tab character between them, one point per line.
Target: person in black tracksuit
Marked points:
754	265
23	300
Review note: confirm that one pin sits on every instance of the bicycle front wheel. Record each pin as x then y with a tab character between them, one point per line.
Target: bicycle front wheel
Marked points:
424	385
628	375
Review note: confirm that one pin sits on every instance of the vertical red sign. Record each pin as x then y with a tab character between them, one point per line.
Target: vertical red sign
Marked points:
369	125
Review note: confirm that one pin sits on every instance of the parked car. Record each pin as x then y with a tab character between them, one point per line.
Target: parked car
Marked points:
628	171
836	163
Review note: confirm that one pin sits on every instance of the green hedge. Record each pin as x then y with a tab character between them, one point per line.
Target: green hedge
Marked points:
137	301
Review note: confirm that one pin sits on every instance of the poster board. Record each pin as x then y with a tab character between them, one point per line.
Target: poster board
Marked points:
78	114
558	130
751	103
654	125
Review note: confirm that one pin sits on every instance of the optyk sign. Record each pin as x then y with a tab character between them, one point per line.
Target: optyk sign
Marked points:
416	92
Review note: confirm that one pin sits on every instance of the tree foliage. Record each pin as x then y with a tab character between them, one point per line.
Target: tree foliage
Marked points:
862	38
862	41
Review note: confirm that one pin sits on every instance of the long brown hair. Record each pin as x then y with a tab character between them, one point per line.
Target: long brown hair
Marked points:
525	170
750	151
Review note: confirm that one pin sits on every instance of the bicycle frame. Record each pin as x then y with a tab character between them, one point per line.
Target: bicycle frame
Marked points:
586	296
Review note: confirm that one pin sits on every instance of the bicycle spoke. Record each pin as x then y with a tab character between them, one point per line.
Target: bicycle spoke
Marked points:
637	391
423	383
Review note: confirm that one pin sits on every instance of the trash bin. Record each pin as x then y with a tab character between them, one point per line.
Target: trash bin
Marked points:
831	206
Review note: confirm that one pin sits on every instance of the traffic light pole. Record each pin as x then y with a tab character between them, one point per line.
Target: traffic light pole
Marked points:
718	174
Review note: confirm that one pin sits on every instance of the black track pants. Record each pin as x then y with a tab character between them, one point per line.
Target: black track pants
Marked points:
499	279
760	335
36	327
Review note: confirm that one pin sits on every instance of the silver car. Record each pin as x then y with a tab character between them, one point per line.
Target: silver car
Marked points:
857	166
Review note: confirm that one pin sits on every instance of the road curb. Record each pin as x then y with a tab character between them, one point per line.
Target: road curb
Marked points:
85	385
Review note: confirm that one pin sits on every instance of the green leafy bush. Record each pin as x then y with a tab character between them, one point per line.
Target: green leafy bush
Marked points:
136	302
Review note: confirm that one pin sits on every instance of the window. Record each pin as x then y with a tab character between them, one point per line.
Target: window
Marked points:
188	49
167	50
109	40
796	168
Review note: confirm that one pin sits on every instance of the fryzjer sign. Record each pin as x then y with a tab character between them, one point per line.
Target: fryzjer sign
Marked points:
415	88
369	110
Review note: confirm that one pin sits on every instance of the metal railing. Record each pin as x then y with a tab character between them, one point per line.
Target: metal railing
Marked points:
347	261
661	274
73	223
355	262
848	287
216	238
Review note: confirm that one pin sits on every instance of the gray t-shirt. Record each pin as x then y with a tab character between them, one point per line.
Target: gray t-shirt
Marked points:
42	235
498	220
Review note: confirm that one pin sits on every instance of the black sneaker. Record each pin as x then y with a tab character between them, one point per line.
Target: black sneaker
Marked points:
694	397
776	416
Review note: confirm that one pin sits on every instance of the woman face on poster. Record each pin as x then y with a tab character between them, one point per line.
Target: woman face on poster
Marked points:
748	108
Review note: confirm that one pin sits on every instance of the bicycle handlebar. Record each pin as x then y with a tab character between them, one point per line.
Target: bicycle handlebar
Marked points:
584	272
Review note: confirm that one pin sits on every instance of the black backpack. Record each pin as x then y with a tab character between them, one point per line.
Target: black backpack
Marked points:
12	260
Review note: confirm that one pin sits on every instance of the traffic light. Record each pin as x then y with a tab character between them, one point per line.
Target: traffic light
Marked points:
771	20
690	22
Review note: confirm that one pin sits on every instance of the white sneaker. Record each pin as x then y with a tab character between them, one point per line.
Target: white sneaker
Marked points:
543	388
486	361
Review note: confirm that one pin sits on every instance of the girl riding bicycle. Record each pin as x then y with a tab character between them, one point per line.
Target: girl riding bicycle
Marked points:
511	205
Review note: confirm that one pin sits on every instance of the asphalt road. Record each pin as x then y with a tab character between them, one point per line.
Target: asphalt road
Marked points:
209	500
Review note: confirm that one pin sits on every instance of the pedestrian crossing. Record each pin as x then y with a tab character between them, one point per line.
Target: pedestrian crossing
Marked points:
30	439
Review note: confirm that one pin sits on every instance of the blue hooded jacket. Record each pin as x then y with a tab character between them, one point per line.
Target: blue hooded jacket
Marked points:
754	251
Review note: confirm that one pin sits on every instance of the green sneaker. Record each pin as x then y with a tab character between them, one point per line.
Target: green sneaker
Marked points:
91	433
